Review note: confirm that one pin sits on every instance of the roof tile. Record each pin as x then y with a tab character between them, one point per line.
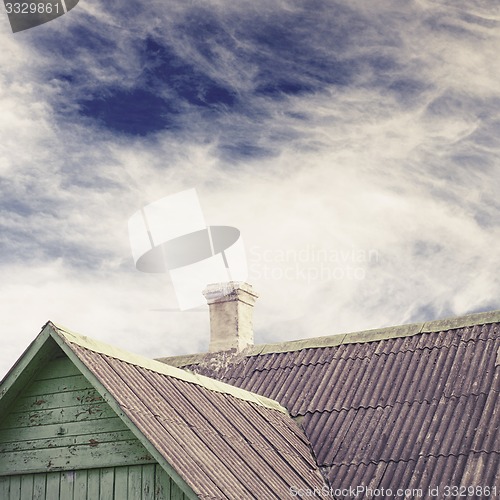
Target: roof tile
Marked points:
418	409
221	445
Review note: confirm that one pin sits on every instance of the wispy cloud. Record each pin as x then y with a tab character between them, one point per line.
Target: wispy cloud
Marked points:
355	145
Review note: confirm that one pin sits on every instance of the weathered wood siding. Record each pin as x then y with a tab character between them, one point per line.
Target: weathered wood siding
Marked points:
61	423
138	482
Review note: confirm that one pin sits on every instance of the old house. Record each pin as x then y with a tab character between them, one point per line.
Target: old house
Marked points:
409	411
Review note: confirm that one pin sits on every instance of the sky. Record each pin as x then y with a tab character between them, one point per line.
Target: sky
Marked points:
354	144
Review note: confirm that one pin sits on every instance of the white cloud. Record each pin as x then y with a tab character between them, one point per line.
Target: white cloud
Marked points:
354	169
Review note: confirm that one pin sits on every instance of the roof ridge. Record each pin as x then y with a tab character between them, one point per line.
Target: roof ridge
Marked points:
372	335
157	366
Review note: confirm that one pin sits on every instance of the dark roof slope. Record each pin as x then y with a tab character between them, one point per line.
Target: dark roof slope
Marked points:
415	406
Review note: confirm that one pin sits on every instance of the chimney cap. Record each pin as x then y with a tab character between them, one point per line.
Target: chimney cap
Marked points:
229	291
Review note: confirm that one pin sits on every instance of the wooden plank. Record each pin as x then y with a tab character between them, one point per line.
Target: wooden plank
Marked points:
121	483
109	424
15	488
60	400
57	385
58	368
4	487
148	482
81	456
53	484
80	488
107	483
176	493
27	487
135	482
58	416
39	481
67	485
63	442
162	481
93	482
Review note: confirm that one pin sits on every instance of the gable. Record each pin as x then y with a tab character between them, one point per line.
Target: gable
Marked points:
59	421
211	439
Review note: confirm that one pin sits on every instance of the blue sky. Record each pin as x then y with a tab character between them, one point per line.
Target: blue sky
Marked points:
354	144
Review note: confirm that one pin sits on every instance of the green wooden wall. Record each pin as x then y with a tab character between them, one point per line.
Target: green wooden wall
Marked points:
59	440
59	422
137	482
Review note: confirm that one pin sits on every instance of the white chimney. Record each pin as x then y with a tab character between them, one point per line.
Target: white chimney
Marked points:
231	307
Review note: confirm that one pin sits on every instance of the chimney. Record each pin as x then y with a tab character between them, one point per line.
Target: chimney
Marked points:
231	307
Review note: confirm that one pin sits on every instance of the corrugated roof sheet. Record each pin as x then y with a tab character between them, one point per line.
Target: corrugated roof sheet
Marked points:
413	407
222	445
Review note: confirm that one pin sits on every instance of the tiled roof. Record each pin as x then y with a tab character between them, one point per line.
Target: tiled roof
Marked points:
415	406
224	442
